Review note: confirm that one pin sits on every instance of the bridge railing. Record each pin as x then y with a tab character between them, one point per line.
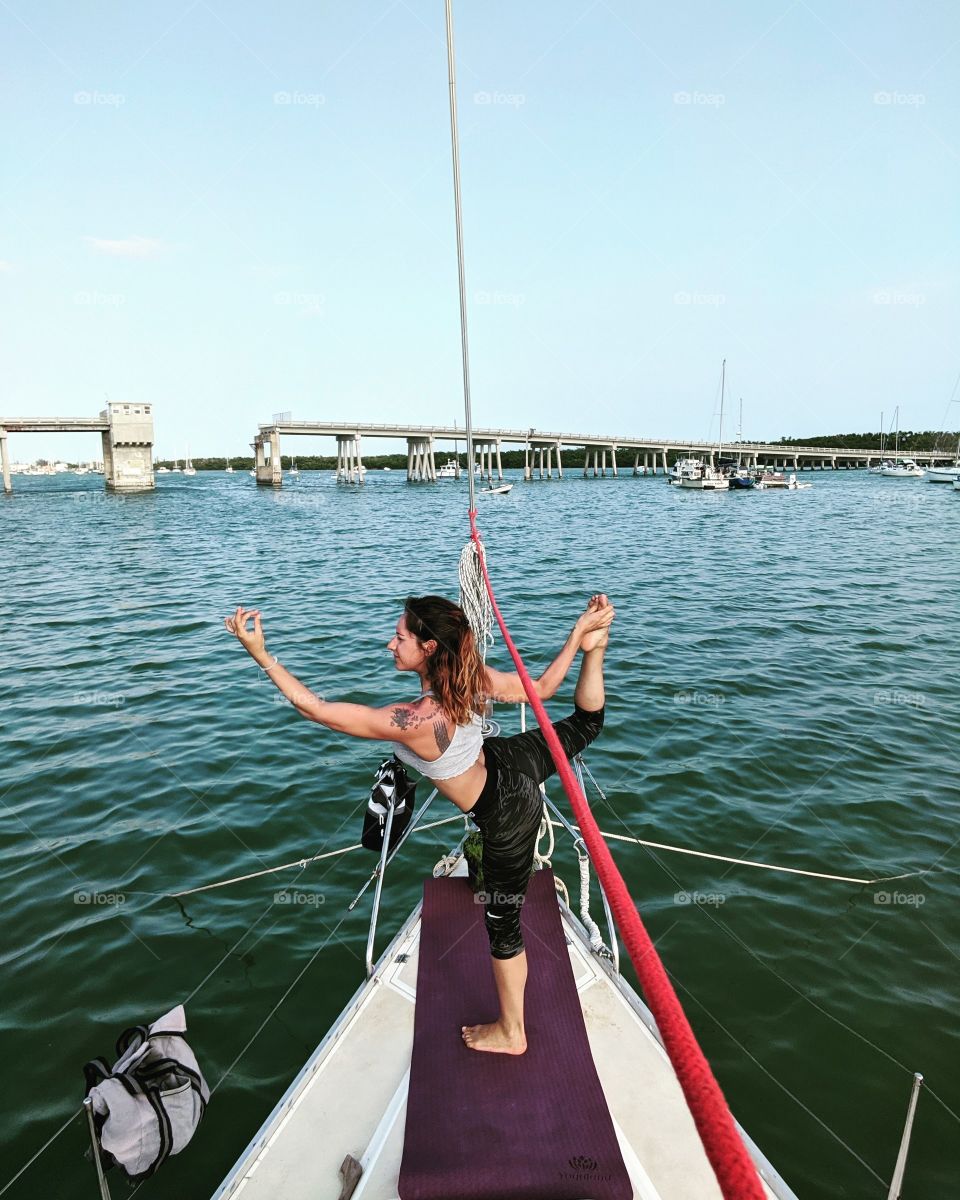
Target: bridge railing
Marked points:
377	429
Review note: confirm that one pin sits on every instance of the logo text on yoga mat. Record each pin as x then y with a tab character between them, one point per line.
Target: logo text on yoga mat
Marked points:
584	1168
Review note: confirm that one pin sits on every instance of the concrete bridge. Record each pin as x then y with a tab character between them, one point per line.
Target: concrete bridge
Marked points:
126	433
542	450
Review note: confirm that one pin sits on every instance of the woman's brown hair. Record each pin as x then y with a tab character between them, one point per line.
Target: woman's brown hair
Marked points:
455	670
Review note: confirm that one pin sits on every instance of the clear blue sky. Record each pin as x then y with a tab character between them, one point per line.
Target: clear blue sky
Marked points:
647	189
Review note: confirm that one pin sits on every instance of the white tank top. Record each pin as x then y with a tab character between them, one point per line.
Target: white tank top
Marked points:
459	756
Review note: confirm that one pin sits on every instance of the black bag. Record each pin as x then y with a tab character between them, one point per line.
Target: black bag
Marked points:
392	787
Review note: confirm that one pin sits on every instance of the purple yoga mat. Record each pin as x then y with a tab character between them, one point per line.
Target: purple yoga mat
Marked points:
484	1126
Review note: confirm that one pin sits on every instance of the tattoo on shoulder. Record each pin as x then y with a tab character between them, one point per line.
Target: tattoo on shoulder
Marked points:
405	718
440	733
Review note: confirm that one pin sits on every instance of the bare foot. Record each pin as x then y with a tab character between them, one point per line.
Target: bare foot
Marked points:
493	1037
596	639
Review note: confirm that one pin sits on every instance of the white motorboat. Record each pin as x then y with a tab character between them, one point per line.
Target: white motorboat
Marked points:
495	491
956	485
684	463
163	470
449	470
702	477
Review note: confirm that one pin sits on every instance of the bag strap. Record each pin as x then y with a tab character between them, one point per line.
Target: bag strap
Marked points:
138	1033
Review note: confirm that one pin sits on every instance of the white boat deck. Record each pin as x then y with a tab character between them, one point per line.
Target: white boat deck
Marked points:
350	1097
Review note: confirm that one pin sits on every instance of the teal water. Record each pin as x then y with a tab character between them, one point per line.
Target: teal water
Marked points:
782	686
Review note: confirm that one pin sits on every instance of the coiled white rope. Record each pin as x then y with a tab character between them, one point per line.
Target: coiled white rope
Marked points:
592	928
474	599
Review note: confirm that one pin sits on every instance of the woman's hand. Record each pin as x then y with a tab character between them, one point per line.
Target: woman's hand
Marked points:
251	639
597	616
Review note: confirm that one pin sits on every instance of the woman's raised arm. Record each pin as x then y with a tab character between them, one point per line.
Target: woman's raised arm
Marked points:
396	722
505	686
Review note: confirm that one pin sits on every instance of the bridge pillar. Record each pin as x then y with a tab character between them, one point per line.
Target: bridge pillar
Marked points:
349	464
267	464
499	464
526	462
613	460
7	485
664	460
559	463
128	447
636	462
421	463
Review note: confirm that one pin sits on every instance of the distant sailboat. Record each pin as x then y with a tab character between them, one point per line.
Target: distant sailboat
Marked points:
294	469
905	469
228	470
175	467
188	467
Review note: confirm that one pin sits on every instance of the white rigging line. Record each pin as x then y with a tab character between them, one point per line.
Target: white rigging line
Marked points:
455	148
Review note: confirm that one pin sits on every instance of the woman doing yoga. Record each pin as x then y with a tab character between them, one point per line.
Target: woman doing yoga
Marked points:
495	781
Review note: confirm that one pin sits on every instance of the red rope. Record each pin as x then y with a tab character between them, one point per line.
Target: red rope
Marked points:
734	1169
